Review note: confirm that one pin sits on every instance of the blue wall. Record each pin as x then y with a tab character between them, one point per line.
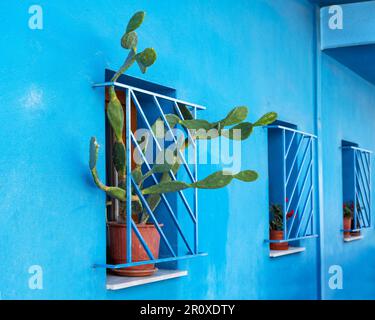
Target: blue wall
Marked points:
259	53
348	114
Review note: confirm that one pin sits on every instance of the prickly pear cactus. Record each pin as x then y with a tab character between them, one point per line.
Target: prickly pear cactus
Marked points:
233	126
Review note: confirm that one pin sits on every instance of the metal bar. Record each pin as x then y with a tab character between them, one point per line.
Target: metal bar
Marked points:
149	211
121	85
301	192
365	182
186	203
307	224
149	168
353	230
174	139
290	145
182	117
365	173
299	174
285	229
359	196
166	202
196	226
293	239
128	178
357	149
364	206
140	110
143	242
355	190
140	263
303	213
359	174
369	170
292	130
312	195
295	159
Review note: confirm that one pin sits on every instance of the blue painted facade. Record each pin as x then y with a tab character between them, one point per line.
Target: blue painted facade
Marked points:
261	53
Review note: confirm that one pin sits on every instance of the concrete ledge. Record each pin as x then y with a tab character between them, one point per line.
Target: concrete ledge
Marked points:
353	239
357	25
118	283
291	250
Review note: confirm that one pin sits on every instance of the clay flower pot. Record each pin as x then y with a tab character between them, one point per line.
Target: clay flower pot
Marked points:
278	235
347	226
117	249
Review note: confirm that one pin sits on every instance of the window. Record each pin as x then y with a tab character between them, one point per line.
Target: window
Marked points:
174	216
291	184
356	175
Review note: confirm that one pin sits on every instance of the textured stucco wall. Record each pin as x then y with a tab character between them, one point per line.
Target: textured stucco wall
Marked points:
259	53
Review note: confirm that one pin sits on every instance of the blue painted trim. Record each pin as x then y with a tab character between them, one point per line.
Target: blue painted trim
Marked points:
292	130
293	239
124	86
321	263
129	219
140	263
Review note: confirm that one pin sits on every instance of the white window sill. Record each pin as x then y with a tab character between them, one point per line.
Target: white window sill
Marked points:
350	239
118	283
291	250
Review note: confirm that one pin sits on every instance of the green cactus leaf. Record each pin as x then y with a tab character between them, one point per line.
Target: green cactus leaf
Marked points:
113	192
159	123
115	115
207	135
146	58
172	119
116	193
235	116
186	113
135	21
137	207
246	128
94	149
137	175
216	180
119	157
165	187
246	176
196	124
267	119
129	40
164	165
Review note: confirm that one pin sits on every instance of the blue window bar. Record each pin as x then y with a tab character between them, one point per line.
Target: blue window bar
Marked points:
291	179
170	223
356	170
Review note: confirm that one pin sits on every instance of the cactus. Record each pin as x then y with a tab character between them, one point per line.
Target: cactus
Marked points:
216	180
233	126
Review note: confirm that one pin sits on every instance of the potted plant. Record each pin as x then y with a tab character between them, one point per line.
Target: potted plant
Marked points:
348	217
239	130
277	226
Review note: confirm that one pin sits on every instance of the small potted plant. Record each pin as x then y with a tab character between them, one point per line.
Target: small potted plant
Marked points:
277	227
238	129
348	217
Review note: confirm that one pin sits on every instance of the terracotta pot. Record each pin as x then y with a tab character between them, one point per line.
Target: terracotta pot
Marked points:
347	226
278	235
117	249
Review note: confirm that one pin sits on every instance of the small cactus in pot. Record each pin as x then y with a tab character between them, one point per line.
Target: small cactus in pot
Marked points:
234	126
